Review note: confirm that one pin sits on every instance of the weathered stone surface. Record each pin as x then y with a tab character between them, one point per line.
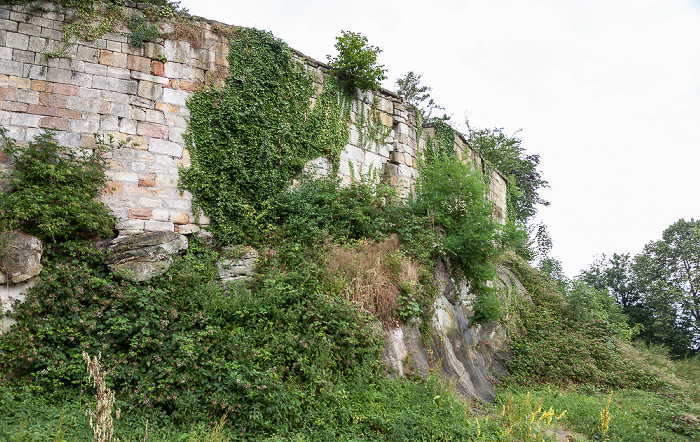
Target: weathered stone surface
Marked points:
469	355
141	257
20	257
238	268
11	294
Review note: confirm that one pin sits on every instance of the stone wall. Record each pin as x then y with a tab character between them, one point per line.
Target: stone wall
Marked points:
111	88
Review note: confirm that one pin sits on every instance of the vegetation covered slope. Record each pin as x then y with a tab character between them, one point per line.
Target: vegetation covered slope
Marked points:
294	353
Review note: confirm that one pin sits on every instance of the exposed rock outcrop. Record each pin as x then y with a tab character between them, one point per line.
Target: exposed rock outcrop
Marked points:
469	355
142	257
20	257
20	265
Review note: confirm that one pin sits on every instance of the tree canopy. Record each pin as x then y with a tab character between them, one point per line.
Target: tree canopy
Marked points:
507	154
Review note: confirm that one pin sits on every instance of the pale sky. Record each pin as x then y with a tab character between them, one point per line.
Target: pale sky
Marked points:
607	92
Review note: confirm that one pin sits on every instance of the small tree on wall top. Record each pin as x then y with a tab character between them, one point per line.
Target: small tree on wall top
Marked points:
356	66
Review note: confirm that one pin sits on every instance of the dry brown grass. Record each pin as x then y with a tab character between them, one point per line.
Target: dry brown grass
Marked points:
372	275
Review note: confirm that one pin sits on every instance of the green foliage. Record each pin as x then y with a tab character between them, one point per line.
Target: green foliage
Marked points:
356	66
635	414
320	208
249	139
552	341
508	156
409	87
453	196
443	144
667	275
54	189
141	31
658	288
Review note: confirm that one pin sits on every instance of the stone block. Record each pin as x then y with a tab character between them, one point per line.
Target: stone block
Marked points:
137	191
172	70
138	114
150	91
23	56
18	82
136	75
143	182
86	126
130	224
40	86
152	130
53	34
81	79
113	188
118	109
118	72
52	99
179	217
176	97
27	96
8	25
29	29
157	68
385	105
154	116
5	53
26	120
160	215
386	119
109	123
137	63
140	213
95	69
10	67
127	126
54	122
115	97
105	83
175	134
58	75
13	106
187	229
88	54
41	110
8	93
164	147
165	180
16	40
159	226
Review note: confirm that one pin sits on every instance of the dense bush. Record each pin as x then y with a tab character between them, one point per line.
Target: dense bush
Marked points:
53	190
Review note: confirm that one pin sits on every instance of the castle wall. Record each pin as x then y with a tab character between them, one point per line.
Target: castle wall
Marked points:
109	87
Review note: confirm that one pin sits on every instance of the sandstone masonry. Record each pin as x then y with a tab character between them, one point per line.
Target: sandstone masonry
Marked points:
111	88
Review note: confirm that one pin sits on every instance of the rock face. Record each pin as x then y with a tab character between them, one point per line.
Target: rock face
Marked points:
240	268
469	355
20	257
141	257
20	265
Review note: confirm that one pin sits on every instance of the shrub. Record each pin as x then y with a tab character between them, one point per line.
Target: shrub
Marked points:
54	190
453	196
356	66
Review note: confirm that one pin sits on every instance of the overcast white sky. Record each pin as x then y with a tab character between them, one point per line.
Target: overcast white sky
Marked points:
607	92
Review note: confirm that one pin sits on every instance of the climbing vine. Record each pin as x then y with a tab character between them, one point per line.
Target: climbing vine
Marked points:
251	137
369	126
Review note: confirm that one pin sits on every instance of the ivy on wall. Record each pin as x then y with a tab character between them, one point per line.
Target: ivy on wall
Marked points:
251	137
